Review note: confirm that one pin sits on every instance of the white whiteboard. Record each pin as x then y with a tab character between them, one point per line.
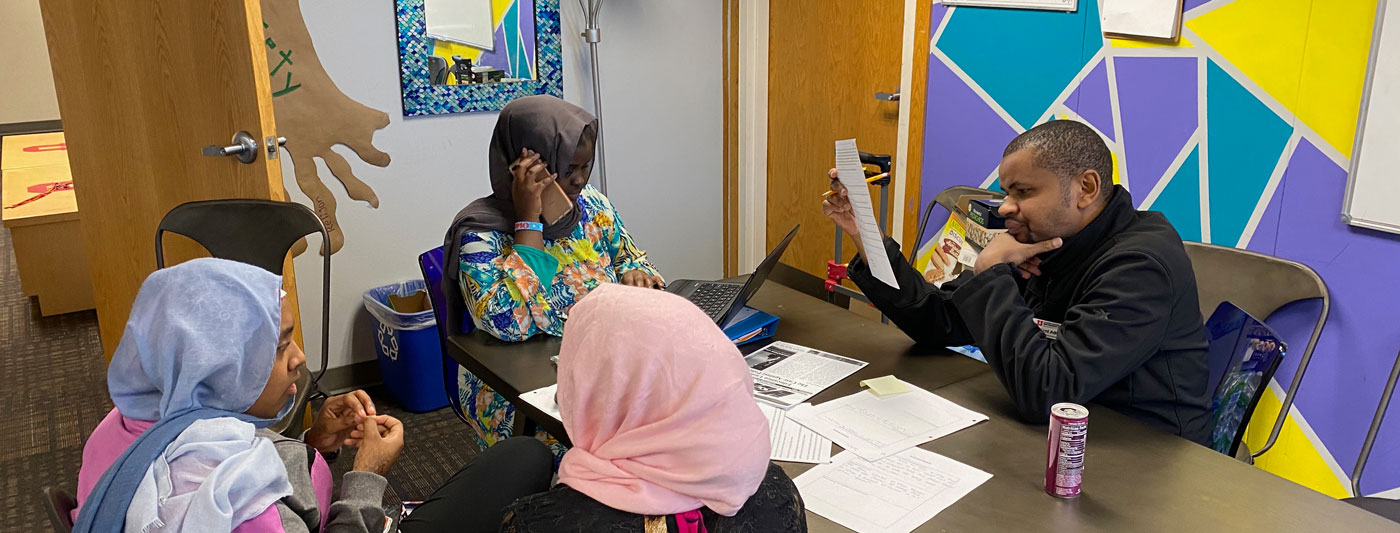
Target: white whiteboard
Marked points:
1053	5
1373	185
463	21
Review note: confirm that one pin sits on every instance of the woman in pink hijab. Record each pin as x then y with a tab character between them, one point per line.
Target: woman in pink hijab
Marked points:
667	437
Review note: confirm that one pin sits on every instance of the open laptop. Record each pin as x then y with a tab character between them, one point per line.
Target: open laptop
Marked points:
721	299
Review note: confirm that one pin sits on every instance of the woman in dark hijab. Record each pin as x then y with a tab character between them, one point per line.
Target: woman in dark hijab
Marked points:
541	241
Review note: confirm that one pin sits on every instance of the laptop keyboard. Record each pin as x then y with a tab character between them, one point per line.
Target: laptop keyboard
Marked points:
714	298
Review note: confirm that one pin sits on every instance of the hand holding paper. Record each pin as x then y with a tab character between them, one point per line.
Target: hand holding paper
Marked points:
852	176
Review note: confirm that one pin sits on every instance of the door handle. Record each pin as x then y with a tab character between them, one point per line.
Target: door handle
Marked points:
244	146
887	97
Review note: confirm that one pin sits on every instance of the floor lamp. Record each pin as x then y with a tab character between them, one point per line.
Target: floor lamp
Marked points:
591	34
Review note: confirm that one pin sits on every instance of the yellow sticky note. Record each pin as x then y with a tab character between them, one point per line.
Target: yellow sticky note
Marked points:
885	386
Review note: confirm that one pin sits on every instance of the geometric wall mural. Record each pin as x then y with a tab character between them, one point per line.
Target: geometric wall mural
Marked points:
1241	135
513	41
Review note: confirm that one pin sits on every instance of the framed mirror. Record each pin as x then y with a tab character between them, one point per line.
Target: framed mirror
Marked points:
462	56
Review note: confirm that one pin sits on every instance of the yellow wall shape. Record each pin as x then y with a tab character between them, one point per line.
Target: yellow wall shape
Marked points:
1294	457
1265	39
1334	69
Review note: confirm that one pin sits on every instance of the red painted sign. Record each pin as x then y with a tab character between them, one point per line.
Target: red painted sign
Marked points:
46	148
44	189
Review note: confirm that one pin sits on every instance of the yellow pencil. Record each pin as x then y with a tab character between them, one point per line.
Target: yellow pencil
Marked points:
871	179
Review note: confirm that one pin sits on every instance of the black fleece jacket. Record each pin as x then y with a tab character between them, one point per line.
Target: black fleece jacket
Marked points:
1130	331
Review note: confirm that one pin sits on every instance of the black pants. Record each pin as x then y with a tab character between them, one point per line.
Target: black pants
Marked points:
475	498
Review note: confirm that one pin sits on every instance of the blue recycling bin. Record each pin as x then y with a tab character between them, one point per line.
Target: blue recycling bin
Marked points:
410	354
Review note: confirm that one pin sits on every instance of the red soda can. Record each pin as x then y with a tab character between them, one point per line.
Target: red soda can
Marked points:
1064	462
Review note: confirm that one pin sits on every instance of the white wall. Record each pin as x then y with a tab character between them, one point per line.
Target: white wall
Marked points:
662	98
26	94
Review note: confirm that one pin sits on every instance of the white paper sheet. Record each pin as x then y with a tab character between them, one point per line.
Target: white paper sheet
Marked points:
464	21
543	398
894	495
786	374
849	171
874	427
792	442
1158	19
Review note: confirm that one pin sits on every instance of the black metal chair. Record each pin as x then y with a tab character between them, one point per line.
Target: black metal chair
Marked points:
1388	508
1259	284
437	70
60	509
260	233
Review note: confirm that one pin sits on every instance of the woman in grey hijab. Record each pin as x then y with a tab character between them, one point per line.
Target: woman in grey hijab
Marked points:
541	241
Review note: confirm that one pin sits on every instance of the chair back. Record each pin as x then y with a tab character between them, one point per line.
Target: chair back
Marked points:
59	505
1375	429
955	200
257	232
260	233
430	262
1243	355
437	70
1259	284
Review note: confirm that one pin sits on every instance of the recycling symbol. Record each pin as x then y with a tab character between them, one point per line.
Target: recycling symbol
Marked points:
388	342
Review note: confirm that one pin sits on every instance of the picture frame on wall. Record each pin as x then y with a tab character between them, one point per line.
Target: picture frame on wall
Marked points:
440	75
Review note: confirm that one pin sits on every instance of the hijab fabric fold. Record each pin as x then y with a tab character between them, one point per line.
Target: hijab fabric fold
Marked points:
541	123
659	405
196	353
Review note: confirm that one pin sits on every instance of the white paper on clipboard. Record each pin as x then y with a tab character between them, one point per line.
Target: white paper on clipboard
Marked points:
852	176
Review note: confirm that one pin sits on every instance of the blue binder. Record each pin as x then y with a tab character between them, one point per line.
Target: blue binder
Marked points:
750	325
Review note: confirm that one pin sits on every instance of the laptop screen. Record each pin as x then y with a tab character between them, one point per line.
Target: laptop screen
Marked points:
759	275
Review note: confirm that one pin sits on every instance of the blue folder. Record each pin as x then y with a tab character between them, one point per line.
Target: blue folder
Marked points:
750	325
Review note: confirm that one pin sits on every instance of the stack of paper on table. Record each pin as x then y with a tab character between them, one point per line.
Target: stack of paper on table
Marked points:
791	442
874	427
786	374
543	399
883	482
893	495
1153	19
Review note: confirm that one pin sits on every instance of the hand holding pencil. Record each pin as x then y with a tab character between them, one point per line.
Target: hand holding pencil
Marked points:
871	179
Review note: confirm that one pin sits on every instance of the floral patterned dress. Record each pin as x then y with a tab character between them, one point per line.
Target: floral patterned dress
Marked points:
506	299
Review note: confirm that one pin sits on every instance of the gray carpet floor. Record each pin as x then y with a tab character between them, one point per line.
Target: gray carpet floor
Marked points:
53	392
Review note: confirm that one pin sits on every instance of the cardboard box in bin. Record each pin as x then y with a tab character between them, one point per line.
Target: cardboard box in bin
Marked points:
413	303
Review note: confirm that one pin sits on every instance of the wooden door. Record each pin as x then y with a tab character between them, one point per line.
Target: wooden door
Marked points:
142	86
826	61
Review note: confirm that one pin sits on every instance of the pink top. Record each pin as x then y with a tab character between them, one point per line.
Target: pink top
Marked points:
116	432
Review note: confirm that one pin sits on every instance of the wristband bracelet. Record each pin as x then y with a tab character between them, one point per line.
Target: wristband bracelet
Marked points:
529	226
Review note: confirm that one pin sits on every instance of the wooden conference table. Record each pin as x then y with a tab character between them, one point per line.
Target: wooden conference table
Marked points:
1136	478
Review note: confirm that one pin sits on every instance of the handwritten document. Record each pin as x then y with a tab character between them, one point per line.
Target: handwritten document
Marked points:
874	427
893	495
792	442
851	174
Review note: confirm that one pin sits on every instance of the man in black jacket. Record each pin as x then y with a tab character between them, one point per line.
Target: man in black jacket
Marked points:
1084	299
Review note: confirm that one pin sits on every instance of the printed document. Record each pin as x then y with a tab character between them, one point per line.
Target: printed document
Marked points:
893	495
786	374
792	442
874	427
852	175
